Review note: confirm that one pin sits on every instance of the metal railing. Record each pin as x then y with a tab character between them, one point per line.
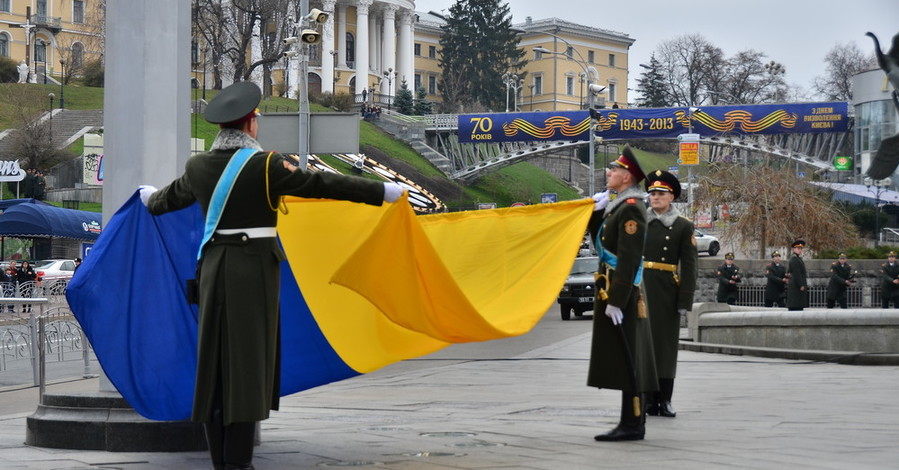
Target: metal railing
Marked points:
856	297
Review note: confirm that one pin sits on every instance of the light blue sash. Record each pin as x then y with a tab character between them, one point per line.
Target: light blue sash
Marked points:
611	259
221	193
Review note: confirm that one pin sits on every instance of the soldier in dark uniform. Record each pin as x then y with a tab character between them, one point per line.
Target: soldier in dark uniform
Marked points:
238	351
776	285
621	356
729	276
670	269
797	287
889	285
840	279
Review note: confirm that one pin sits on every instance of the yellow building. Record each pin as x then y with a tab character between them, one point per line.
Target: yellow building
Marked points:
51	36
554	78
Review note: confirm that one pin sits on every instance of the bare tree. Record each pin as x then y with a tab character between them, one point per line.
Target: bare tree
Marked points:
31	141
843	62
752	81
209	28
78	48
772	207
689	63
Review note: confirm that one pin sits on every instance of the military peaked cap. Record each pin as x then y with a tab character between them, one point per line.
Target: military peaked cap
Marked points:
628	161
661	180
233	103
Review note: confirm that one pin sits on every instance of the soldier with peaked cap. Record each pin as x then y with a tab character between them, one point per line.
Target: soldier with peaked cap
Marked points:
621	356
238	270
889	281
729	276
776	285
840	279
797	287
669	276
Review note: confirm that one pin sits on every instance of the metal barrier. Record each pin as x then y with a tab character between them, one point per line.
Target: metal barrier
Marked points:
856	297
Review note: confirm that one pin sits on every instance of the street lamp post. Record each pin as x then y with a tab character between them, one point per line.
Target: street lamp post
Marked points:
531	87
880	186
514	84
388	74
592	89
62	85
52	97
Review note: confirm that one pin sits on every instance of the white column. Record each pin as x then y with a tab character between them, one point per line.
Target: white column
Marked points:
388	48
405	65
362	45
327	47
341	35
373	48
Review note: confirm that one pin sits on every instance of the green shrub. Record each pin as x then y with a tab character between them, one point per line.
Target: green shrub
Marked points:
93	74
8	71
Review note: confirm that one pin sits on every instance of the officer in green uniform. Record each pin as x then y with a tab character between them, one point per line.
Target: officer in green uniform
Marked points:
889	285
669	276
729	276
621	356
797	287
840	279
776	285
238	272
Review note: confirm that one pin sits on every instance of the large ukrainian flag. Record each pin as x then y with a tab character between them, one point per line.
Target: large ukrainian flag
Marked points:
362	287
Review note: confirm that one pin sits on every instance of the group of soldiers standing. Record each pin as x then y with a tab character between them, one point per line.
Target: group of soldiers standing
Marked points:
787	285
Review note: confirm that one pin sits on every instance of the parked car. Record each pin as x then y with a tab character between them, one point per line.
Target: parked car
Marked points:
50	271
707	243
580	287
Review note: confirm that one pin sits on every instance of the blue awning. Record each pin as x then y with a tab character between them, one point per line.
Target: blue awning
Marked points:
43	220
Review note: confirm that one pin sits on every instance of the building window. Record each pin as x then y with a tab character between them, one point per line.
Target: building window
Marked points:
42	7
569	52
78	11
538	84
590	57
417	50
77	54
569	86
417	82
538	55
611	60
194	53
432	85
432	52
4	45
4	6
611	90
40	51
350	48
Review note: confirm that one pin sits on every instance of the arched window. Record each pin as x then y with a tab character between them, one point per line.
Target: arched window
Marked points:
350	49
40	51
77	54
4	45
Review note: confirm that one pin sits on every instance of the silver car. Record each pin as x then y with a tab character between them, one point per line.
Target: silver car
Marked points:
707	243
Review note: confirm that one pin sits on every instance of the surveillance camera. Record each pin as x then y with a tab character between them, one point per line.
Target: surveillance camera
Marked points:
290	40
596	89
310	36
289	54
317	15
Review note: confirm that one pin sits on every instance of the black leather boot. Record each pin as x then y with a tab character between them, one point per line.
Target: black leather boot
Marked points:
666	390
652	403
215	440
239	440
630	427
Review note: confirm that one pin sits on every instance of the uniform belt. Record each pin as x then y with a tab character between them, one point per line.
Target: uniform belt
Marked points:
250	232
660	266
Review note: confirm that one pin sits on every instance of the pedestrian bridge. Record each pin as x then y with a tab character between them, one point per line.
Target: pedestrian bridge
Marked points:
469	161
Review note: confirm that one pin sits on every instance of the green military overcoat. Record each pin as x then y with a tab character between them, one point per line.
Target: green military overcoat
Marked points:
239	279
622	233
670	240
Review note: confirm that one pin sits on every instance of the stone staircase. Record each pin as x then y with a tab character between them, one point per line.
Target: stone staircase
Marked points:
68	126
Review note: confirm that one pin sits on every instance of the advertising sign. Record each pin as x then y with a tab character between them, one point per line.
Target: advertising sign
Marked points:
842	163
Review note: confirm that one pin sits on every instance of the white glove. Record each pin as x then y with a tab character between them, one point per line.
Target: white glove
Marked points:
392	192
682	311
145	192
615	314
601	200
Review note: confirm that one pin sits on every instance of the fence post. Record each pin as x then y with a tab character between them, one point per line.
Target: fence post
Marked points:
867	296
42	358
35	339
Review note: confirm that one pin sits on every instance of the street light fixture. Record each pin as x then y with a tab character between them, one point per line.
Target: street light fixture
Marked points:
513	82
592	90
880	187
62	85
388	74
52	97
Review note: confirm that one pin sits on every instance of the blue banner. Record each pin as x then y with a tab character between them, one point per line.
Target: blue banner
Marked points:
662	123
524	127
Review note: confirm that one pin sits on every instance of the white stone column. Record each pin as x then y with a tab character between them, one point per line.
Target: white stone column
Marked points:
327	47
388	48
405	65
362	7
341	36
373	44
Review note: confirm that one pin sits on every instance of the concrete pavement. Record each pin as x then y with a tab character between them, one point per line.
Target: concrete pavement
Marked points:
533	411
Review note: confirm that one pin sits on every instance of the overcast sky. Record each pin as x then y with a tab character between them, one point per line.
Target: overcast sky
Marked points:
796	33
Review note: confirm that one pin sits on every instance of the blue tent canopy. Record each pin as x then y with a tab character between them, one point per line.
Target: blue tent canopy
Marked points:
7	203
43	220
